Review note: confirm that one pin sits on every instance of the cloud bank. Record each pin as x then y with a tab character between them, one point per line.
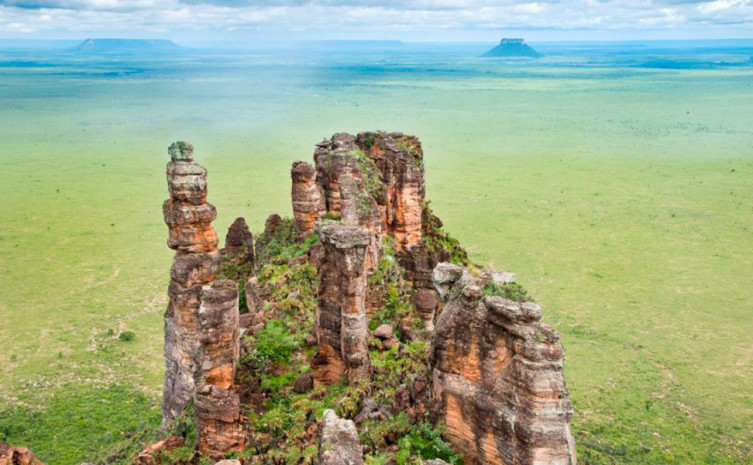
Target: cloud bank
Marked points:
408	19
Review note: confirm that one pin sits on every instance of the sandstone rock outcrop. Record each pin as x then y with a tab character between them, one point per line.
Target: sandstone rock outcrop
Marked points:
10	455
497	379
339	443
189	219
308	200
151	455
239	240
219	424
341	328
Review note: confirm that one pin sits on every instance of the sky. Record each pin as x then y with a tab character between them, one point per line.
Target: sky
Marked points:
196	21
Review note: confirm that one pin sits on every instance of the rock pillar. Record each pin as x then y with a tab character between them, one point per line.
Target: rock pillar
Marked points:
497	377
341	328
218	419
191	235
308	200
239	240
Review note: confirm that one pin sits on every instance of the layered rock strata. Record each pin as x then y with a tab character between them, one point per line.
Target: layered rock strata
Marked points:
219	426
339	442
341	328
497	376
191	235
308	199
376	180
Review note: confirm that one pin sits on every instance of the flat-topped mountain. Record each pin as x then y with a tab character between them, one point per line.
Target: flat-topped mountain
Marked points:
512	48
126	46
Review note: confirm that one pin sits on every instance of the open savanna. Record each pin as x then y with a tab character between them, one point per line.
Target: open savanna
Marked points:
621	197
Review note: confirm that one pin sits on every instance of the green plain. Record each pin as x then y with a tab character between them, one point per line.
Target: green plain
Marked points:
621	197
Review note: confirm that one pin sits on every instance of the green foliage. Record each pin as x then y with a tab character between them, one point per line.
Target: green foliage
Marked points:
126	336
371	175
511	291
282	245
332	216
439	242
236	268
425	441
274	343
396	366
387	279
83	424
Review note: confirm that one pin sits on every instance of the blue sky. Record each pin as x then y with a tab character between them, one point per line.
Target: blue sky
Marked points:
196	21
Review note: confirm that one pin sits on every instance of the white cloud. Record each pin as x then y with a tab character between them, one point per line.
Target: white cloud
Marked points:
357	18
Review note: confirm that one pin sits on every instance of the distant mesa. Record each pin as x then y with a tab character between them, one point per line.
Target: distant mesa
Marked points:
97	46
512	48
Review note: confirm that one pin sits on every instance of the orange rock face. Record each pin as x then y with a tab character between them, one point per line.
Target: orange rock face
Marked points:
497	376
219	424
374	180
10	455
191	235
151	454
341	328
308	200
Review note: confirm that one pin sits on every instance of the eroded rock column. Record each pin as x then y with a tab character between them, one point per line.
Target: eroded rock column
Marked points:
308	199
497	374
191	235
218	419
239	240
341	328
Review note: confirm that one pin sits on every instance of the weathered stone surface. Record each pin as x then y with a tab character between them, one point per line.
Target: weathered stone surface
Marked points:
254	302
339	443
189	219
341	327
399	160
10	455
151	454
374	180
228	462
308	200
219	424
239	240
383	332
497	377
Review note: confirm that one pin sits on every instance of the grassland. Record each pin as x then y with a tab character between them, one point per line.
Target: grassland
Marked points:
621	197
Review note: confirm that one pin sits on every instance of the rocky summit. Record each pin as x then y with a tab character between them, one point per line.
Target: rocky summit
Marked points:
357	331
512	48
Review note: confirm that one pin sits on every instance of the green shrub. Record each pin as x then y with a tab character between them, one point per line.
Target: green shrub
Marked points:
511	291
274	343
126	336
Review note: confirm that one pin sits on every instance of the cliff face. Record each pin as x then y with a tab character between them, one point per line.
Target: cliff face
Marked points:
497	375
191	235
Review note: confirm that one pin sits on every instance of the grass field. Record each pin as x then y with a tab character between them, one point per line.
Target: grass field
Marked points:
621	196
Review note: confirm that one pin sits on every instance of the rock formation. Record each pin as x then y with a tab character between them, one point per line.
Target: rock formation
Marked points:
218	414
486	366
308	200
189	219
497	377
512	48
239	240
340	327
339	444
374	180
10	455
